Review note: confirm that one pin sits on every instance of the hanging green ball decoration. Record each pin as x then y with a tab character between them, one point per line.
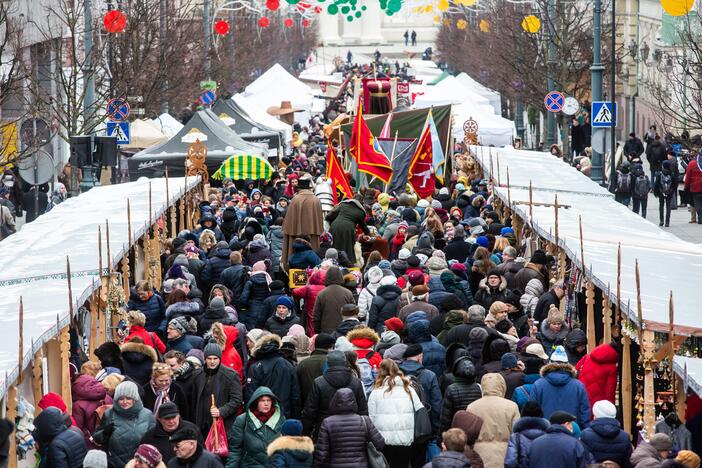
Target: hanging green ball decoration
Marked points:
358	14
364	8
349	18
332	9
345	9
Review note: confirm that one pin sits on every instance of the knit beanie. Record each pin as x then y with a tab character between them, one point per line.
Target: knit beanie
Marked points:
336	359
95	459
180	324
604	409
323	341
395	324
212	349
661	442
404	254
285	301
508	361
559	355
504	325
416	278
148	454
127	389
217	304
555	315
291	427
689	458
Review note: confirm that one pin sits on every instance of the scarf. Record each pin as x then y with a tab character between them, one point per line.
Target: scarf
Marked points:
182	370
264	417
161	396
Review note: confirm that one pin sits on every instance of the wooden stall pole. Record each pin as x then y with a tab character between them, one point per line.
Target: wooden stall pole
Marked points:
590	301
671	340
11	405
94	305
492	171
65	347
70	289
20	354
37	378
616	328
126	274
151	216
639	307
582	247
509	192
531	203
607	317
99	251
497	156
625	383
171	209
649	413
107	239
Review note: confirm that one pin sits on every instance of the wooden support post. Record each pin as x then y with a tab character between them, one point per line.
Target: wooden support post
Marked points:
616	328
37	378
531	204
151	216
172	211
20	353
625	383
99	251
590	301
497	156
70	289
109	254
126	275
181	214
65	372
582	248
647	348
11	400
671	340
509	192
607	317
94	305
639	307
492	171
101	299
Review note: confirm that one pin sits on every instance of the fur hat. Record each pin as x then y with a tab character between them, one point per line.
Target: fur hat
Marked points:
363	337
555	315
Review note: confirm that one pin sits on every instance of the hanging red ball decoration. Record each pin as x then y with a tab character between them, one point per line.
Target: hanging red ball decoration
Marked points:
288	22
317	10
221	27
114	21
305	23
264	22
272	4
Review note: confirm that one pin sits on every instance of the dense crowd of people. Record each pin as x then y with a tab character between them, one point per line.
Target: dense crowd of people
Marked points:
424	334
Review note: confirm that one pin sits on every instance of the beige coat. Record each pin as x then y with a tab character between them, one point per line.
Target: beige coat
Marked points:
498	415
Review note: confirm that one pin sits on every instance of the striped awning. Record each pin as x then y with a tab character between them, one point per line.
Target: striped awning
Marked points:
244	166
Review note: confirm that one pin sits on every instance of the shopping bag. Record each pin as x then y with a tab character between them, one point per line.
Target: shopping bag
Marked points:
216	441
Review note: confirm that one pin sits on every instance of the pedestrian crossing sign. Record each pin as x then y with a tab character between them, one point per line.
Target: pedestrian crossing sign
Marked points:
119	130
603	114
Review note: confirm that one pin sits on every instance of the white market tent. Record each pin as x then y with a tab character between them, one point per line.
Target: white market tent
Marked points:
492	96
690	371
666	263
34	260
144	134
168	124
261	116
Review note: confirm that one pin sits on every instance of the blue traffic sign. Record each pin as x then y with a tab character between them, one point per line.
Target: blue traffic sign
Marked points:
207	98
119	130
554	101
117	109
603	114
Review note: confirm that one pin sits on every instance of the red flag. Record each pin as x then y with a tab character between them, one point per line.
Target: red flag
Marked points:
335	173
366	151
421	170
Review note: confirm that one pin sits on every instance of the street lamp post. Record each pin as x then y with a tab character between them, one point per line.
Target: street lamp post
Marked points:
596	72
612	85
551	65
89	98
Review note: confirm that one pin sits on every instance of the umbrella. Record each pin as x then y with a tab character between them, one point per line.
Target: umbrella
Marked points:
244	166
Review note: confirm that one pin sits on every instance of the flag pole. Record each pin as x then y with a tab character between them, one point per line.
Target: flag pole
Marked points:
392	157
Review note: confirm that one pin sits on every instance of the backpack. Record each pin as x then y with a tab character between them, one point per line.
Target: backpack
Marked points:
623	182
419	390
666	186
642	186
368	373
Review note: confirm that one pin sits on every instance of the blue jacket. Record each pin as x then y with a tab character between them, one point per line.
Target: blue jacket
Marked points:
434	354
181	344
254	294
427	379
606	440
153	309
437	291
213	269
59	446
524	432
521	394
303	256
558	389
558	447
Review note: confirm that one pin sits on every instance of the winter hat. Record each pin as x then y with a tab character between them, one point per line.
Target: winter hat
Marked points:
168	286
476	230
402	224
291	427
661	442
423	203
388	280
536	349
390	337
503	325
413	261
435	204
148	454
285	301
276	285
54	400
395	324
404	254
180	324
604	409
255	334
439	254
555	315
95	459
127	389
482	241
416	278
296	330
384	200
375	274
212	349
532	365
436	265
332	254
506	230
217	304
561	417
196	354
349	310
508	361
689	458
444	191
559	355
419	293
323	341
167	410
189	432
540	258
412	350
384	265
336	359
422	259
343	344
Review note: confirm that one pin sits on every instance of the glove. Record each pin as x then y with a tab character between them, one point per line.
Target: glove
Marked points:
108	430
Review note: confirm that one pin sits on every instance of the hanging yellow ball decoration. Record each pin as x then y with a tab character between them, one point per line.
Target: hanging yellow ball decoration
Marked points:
531	24
677	7
466	3
437	19
443	5
484	25
461	24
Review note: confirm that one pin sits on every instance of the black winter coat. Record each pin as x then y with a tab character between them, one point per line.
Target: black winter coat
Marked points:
214	267
323	391
457	249
201	459
63	447
159	439
225	385
175	395
462	392
606	440
254	294
281	327
346	326
308	370
545	302
269	304
344	435
138	360
272	370
234	278
385	305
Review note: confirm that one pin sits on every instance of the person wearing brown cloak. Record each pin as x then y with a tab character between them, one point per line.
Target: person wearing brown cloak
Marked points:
342	224
303	218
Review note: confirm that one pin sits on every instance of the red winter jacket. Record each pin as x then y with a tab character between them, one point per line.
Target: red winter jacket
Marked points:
693	177
149	338
230	356
598	372
309	294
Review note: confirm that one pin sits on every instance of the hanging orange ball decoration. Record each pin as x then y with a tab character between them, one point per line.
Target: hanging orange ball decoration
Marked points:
272	4
114	21
264	22
288	22
221	27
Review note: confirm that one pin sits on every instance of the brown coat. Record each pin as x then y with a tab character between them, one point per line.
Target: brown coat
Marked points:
498	415
327	307
304	217
471	425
